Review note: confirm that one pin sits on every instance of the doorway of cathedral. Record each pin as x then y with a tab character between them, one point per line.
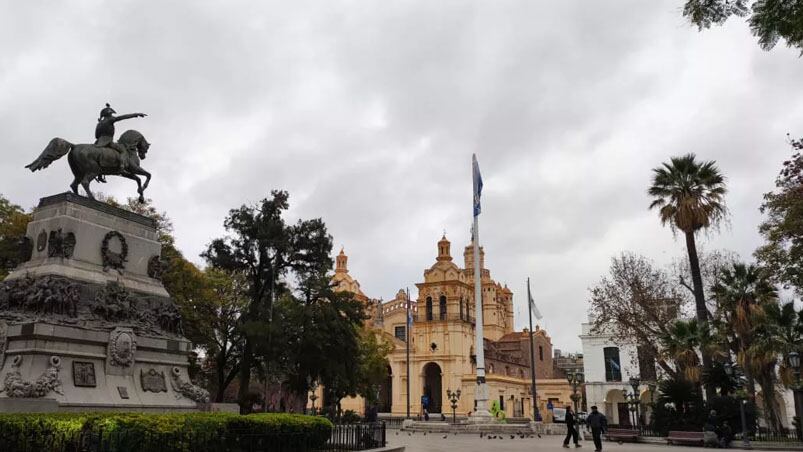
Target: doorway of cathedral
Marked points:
386	393
432	386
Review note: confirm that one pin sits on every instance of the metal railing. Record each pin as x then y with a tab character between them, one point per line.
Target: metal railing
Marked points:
790	435
348	437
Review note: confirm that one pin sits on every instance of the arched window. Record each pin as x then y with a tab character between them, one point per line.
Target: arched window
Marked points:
507	370
429	308
540	353
442	306
490	368
461	308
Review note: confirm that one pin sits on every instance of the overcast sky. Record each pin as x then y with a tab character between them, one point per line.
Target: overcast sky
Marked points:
368	112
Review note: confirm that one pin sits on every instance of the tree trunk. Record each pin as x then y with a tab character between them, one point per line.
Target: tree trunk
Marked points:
770	404
221	378
245	376
702	310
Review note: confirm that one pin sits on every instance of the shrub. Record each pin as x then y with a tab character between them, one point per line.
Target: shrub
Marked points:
179	432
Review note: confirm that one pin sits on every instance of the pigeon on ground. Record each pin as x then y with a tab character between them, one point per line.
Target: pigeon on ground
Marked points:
445	436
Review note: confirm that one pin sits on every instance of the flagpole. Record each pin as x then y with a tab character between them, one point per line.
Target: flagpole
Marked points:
532	352
481	396
407	337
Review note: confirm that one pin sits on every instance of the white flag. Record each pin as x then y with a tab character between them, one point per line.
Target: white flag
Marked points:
534	308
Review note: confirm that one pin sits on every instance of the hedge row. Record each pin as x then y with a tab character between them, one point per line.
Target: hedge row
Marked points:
179	432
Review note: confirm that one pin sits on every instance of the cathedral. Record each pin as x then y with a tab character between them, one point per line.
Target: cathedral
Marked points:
442	355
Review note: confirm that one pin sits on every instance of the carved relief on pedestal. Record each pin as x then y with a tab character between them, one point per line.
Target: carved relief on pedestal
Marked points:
122	348
110	257
153	381
155	267
60	244
16	387
83	374
187	389
42	295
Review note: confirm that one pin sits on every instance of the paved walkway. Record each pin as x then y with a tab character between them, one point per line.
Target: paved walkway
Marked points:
418	442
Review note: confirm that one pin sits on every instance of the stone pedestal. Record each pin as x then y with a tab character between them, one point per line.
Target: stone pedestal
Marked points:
86	323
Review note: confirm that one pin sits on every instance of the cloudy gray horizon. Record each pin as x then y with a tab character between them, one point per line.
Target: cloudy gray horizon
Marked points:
368	113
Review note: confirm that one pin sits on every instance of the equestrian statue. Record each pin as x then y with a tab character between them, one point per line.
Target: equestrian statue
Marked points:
103	158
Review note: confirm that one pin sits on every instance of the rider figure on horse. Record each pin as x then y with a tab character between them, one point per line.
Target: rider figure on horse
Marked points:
104	133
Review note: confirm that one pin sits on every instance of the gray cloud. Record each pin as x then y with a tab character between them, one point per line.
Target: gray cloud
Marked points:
368	112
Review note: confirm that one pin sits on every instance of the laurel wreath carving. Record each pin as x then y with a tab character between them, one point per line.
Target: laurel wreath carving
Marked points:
112	259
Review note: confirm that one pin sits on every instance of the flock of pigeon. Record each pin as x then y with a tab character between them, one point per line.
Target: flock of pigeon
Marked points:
520	435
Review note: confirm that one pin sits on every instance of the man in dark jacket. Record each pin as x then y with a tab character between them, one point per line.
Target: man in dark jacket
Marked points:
598	424
571	429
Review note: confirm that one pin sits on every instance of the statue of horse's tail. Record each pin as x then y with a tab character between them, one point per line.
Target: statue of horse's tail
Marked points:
56	149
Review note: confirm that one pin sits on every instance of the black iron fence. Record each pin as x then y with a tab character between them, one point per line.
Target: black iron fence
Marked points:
344	437
348	437
761	435
784	436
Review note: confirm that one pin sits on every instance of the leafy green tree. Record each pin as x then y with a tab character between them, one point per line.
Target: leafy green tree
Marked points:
782	253
219	311
373	364
267	251
13	223
769	20
689	196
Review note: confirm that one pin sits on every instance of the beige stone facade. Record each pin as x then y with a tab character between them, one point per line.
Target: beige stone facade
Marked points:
442	352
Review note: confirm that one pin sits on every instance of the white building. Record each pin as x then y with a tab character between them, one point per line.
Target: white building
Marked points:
608	367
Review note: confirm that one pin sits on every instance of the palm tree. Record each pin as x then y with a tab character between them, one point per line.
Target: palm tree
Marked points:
779	332
680	344
689	196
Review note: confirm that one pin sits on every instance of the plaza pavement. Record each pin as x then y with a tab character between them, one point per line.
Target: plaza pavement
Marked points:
434	442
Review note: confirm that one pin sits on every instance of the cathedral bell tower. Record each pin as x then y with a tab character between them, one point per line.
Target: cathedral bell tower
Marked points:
444	247
341	262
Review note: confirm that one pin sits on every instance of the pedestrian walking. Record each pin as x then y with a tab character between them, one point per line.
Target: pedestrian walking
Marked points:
598	424
571	429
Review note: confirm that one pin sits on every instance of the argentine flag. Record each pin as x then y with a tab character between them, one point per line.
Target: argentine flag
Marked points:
477	184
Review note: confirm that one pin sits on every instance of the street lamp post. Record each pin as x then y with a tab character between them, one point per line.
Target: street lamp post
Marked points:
453	398
635	383
731	371
794	363
575	379
313	396
633	400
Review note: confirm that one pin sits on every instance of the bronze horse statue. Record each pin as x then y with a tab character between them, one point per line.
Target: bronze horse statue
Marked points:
88	161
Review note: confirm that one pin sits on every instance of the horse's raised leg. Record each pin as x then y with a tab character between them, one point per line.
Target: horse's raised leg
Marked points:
140	188
135	170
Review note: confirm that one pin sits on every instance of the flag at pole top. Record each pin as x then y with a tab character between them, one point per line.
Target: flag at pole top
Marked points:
477	184
535	310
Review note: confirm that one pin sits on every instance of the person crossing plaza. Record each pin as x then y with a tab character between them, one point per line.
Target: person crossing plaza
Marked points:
598	424
571	429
